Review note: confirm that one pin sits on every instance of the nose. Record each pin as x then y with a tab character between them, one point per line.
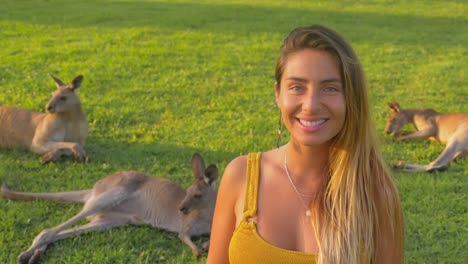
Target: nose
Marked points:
312	102
49	108
183	209
387	129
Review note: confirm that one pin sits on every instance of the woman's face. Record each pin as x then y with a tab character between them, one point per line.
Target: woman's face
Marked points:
311	97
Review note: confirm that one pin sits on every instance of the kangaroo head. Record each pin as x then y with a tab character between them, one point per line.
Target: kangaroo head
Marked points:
64	99
202	193
396	119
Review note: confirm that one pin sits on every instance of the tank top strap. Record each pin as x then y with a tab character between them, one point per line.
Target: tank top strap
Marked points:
251	193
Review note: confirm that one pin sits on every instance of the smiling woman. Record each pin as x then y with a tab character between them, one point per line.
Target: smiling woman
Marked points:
310	96
325	197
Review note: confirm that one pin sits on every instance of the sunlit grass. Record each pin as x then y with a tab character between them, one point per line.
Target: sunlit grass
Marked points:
165	79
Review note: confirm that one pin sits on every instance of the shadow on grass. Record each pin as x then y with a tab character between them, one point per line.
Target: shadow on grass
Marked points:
133	153
106	156
237	19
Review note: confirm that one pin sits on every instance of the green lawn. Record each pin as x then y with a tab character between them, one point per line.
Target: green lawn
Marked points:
165	79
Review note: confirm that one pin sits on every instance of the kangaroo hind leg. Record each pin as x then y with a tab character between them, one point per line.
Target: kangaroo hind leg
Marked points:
440	164
455	145
100	223
94	205
461	154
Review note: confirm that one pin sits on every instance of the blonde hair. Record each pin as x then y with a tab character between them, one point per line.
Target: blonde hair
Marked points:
359	198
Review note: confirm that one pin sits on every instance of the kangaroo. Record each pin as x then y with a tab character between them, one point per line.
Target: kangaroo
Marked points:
61	131
448	129
130	197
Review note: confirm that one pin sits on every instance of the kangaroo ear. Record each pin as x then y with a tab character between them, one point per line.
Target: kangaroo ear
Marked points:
198	166
58	82
394	106
76	82
211	174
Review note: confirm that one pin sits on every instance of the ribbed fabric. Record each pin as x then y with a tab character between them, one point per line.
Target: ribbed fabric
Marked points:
247	246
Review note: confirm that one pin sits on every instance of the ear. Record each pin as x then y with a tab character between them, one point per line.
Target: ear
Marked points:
211	174
277	93
76	82
198	166
58	82
394	106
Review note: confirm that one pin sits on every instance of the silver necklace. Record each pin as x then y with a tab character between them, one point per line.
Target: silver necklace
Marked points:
307	213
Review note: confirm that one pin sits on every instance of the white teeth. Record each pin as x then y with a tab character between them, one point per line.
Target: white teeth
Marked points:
312	123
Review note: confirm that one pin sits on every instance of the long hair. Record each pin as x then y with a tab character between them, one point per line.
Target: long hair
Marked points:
359	198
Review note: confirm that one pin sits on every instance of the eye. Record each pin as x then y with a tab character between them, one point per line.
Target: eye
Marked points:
331	89
197	196
296	89
63	98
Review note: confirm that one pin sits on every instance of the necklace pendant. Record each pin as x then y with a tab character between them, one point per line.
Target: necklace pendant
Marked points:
308	213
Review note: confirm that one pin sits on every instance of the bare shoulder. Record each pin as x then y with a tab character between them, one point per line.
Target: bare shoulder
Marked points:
234	175
226	214
232	187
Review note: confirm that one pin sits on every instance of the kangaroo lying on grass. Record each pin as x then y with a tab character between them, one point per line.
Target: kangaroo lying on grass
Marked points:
130	197
448	129
61	131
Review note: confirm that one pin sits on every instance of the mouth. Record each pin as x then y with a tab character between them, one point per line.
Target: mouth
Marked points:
312	123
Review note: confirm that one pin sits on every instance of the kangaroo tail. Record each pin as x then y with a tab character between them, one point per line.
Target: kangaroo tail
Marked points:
63	197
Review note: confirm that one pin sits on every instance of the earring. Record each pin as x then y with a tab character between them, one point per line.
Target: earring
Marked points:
280	125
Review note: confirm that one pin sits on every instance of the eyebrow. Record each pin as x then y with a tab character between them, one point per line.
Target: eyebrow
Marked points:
297	79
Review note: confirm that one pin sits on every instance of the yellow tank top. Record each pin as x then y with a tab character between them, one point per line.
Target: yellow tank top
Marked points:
246	245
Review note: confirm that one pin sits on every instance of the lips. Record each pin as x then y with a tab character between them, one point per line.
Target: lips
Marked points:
312	123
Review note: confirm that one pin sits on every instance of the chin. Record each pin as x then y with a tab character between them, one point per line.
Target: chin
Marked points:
315	142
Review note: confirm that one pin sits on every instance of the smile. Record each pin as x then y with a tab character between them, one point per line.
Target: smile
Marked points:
312	123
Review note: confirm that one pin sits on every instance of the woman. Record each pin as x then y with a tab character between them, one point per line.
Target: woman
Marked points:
326	196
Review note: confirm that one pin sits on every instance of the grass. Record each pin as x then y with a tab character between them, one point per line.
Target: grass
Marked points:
165	79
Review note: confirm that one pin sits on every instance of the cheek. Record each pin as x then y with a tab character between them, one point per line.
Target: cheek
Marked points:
287	107
281	102
343	110
339	106
284	105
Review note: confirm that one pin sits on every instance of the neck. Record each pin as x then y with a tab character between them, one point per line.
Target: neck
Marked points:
307	158
77	113
409	114
307	165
